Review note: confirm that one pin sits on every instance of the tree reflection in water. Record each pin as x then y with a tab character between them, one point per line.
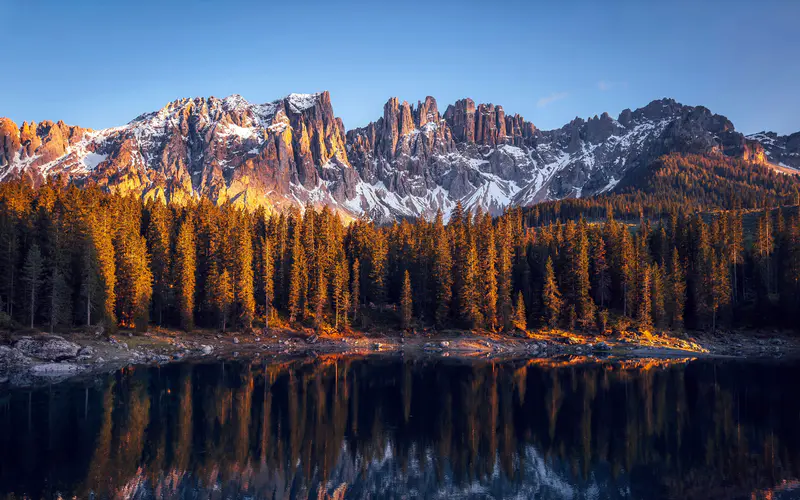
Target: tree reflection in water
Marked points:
335	427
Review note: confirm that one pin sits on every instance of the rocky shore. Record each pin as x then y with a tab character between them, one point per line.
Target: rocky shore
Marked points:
40	359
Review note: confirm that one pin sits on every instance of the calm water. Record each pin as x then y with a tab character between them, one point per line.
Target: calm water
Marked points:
393	428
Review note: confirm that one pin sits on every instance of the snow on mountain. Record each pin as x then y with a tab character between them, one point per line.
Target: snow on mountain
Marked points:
412	161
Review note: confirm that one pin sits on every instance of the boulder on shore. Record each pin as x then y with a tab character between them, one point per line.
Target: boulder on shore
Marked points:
47	348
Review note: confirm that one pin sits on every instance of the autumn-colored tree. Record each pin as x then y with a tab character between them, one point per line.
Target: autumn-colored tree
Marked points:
243	279
158	246
442	277
551	297
267	278
355	288
406	307
520	319
487	275
185	270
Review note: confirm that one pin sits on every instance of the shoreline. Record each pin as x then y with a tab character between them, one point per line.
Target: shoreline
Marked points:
36	359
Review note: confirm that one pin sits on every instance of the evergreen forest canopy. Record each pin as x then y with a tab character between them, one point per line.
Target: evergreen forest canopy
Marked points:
693	242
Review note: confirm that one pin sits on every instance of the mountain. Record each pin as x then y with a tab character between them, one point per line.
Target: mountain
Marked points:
412	161
781	150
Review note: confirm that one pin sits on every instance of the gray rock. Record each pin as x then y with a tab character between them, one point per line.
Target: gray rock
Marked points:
235	340
86	351
48	348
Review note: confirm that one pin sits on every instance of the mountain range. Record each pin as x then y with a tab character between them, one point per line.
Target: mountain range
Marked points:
412	161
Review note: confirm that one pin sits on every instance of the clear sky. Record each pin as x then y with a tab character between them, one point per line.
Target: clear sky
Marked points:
101	63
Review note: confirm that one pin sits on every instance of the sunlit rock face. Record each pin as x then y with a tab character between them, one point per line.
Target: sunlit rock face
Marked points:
780	150
412	161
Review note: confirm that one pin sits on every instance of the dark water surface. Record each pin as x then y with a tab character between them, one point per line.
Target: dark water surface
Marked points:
387	427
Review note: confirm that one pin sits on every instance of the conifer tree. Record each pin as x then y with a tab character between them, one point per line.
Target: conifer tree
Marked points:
185	270
601	280
267	278
504	266
102	247
488	276
551	297
320	299
158	245
406	307
9	252
32	277
469	301
520	320
134	283
243	280
657	295
442	267
59	293
719	288
341	295
676	297
297	274
644	295
224	297
377	272
355	288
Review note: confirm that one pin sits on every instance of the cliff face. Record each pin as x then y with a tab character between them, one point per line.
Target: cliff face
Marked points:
286	152
780	150
412	161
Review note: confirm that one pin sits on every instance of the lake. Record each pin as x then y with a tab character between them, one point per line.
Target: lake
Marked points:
388	427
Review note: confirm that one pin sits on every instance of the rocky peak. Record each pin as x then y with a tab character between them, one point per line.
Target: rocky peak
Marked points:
426	112
461	119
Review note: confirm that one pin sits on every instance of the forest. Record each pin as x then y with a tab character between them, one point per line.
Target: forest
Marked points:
698	244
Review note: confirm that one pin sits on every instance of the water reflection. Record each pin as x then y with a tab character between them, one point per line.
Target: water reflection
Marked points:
336	427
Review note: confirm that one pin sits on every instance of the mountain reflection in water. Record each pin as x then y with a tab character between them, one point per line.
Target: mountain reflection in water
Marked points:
388	427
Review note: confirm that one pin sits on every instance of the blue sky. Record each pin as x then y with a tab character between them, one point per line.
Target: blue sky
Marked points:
101	63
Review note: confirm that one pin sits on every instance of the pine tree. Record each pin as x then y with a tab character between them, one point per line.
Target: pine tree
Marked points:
134	283
601	280
504	267
355	288
469	301
488	276
158	245
676	296
243	279
644	294
32	277
102	247
185	273
224	297
267	278
341	295
657	295
320	299
520	320
719	288
296	276
442	278
551	297
9	256
377	272
406	308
